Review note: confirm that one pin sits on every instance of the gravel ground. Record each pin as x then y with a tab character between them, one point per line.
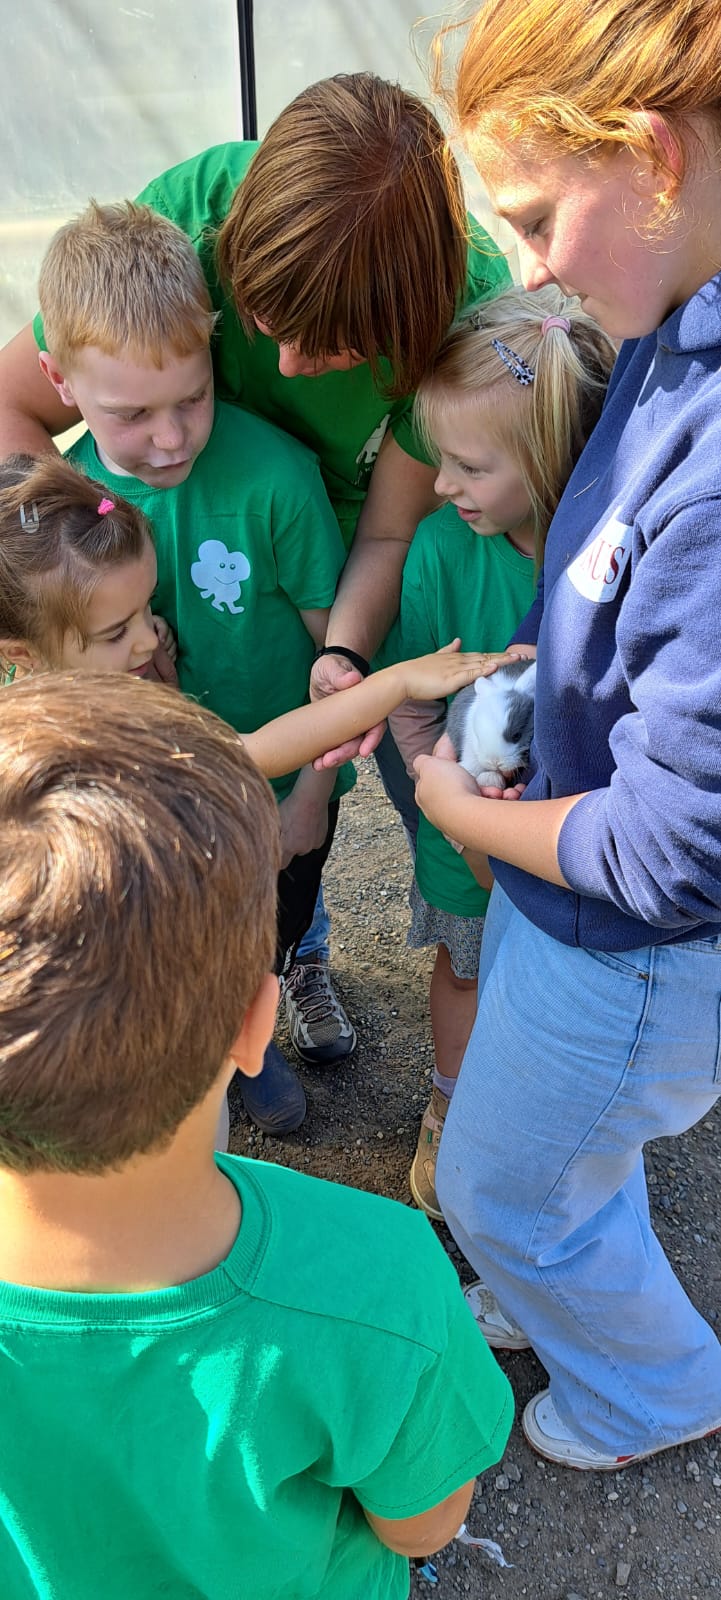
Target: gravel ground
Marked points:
654	1529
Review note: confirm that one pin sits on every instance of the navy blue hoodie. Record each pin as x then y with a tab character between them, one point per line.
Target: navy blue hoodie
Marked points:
628	696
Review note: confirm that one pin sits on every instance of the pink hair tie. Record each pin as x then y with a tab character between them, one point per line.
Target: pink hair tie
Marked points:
105	506
555	322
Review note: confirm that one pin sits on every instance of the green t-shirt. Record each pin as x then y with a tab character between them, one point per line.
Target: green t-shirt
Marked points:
254	510
341	416
456	582
216	1440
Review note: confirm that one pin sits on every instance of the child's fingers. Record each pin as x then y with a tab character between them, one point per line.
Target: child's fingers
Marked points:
476	664
523	652
335	758
371	739
494	660
363	745
450	649
471	667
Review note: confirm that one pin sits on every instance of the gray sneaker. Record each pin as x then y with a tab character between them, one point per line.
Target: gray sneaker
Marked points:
319	1028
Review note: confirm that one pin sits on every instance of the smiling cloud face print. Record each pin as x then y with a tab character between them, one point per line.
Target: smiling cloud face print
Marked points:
218	573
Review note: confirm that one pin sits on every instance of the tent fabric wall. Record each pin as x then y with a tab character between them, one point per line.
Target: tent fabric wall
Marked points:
98	98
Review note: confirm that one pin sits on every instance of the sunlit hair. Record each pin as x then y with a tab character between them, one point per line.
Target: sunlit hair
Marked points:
348	231
138	860
580	77
544	424
54	548
126	281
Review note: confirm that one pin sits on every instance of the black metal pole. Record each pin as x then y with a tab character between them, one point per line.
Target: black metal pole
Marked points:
247	69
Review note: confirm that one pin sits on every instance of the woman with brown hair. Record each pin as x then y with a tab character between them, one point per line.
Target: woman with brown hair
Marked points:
337	253
596	126
337	249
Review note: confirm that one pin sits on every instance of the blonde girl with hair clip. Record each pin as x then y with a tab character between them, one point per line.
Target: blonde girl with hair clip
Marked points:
505	409
596	125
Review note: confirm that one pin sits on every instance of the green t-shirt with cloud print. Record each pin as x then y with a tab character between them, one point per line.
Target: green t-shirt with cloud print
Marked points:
246	543
341	416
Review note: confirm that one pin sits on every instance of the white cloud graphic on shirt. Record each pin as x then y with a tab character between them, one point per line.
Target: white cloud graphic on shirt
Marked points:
219	572
367	455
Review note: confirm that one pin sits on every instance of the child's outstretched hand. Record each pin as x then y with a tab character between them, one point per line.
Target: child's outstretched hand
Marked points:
448	670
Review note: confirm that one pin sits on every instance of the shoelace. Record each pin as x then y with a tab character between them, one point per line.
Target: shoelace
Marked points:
316	997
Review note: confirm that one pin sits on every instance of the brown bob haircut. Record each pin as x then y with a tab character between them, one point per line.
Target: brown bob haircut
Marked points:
138	859
349	230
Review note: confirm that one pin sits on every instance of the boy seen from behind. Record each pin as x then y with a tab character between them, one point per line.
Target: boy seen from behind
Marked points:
249	550
238	1379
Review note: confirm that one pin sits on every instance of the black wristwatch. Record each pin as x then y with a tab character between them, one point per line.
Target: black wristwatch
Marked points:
357	661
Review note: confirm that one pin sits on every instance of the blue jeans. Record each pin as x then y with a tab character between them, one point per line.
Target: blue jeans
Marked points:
576	1059
318	933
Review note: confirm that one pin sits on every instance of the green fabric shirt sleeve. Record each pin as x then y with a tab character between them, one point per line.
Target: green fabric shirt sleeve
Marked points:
457	1424
487	276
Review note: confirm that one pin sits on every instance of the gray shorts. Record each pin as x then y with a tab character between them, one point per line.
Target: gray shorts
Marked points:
460	935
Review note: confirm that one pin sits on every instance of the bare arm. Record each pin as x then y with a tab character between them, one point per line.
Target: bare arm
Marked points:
316	623
525	835
298	736
399	496
30	410
477	863
304	812
418	1536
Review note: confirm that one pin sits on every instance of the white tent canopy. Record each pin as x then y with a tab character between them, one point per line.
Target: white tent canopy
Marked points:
99	98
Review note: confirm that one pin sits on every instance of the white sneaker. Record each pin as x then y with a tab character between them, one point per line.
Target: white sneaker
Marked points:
548	1435
498	1330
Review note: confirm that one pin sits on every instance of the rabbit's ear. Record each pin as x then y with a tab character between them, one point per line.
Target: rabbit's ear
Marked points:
526	683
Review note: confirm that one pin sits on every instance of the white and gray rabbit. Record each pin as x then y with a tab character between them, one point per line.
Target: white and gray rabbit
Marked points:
490	724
